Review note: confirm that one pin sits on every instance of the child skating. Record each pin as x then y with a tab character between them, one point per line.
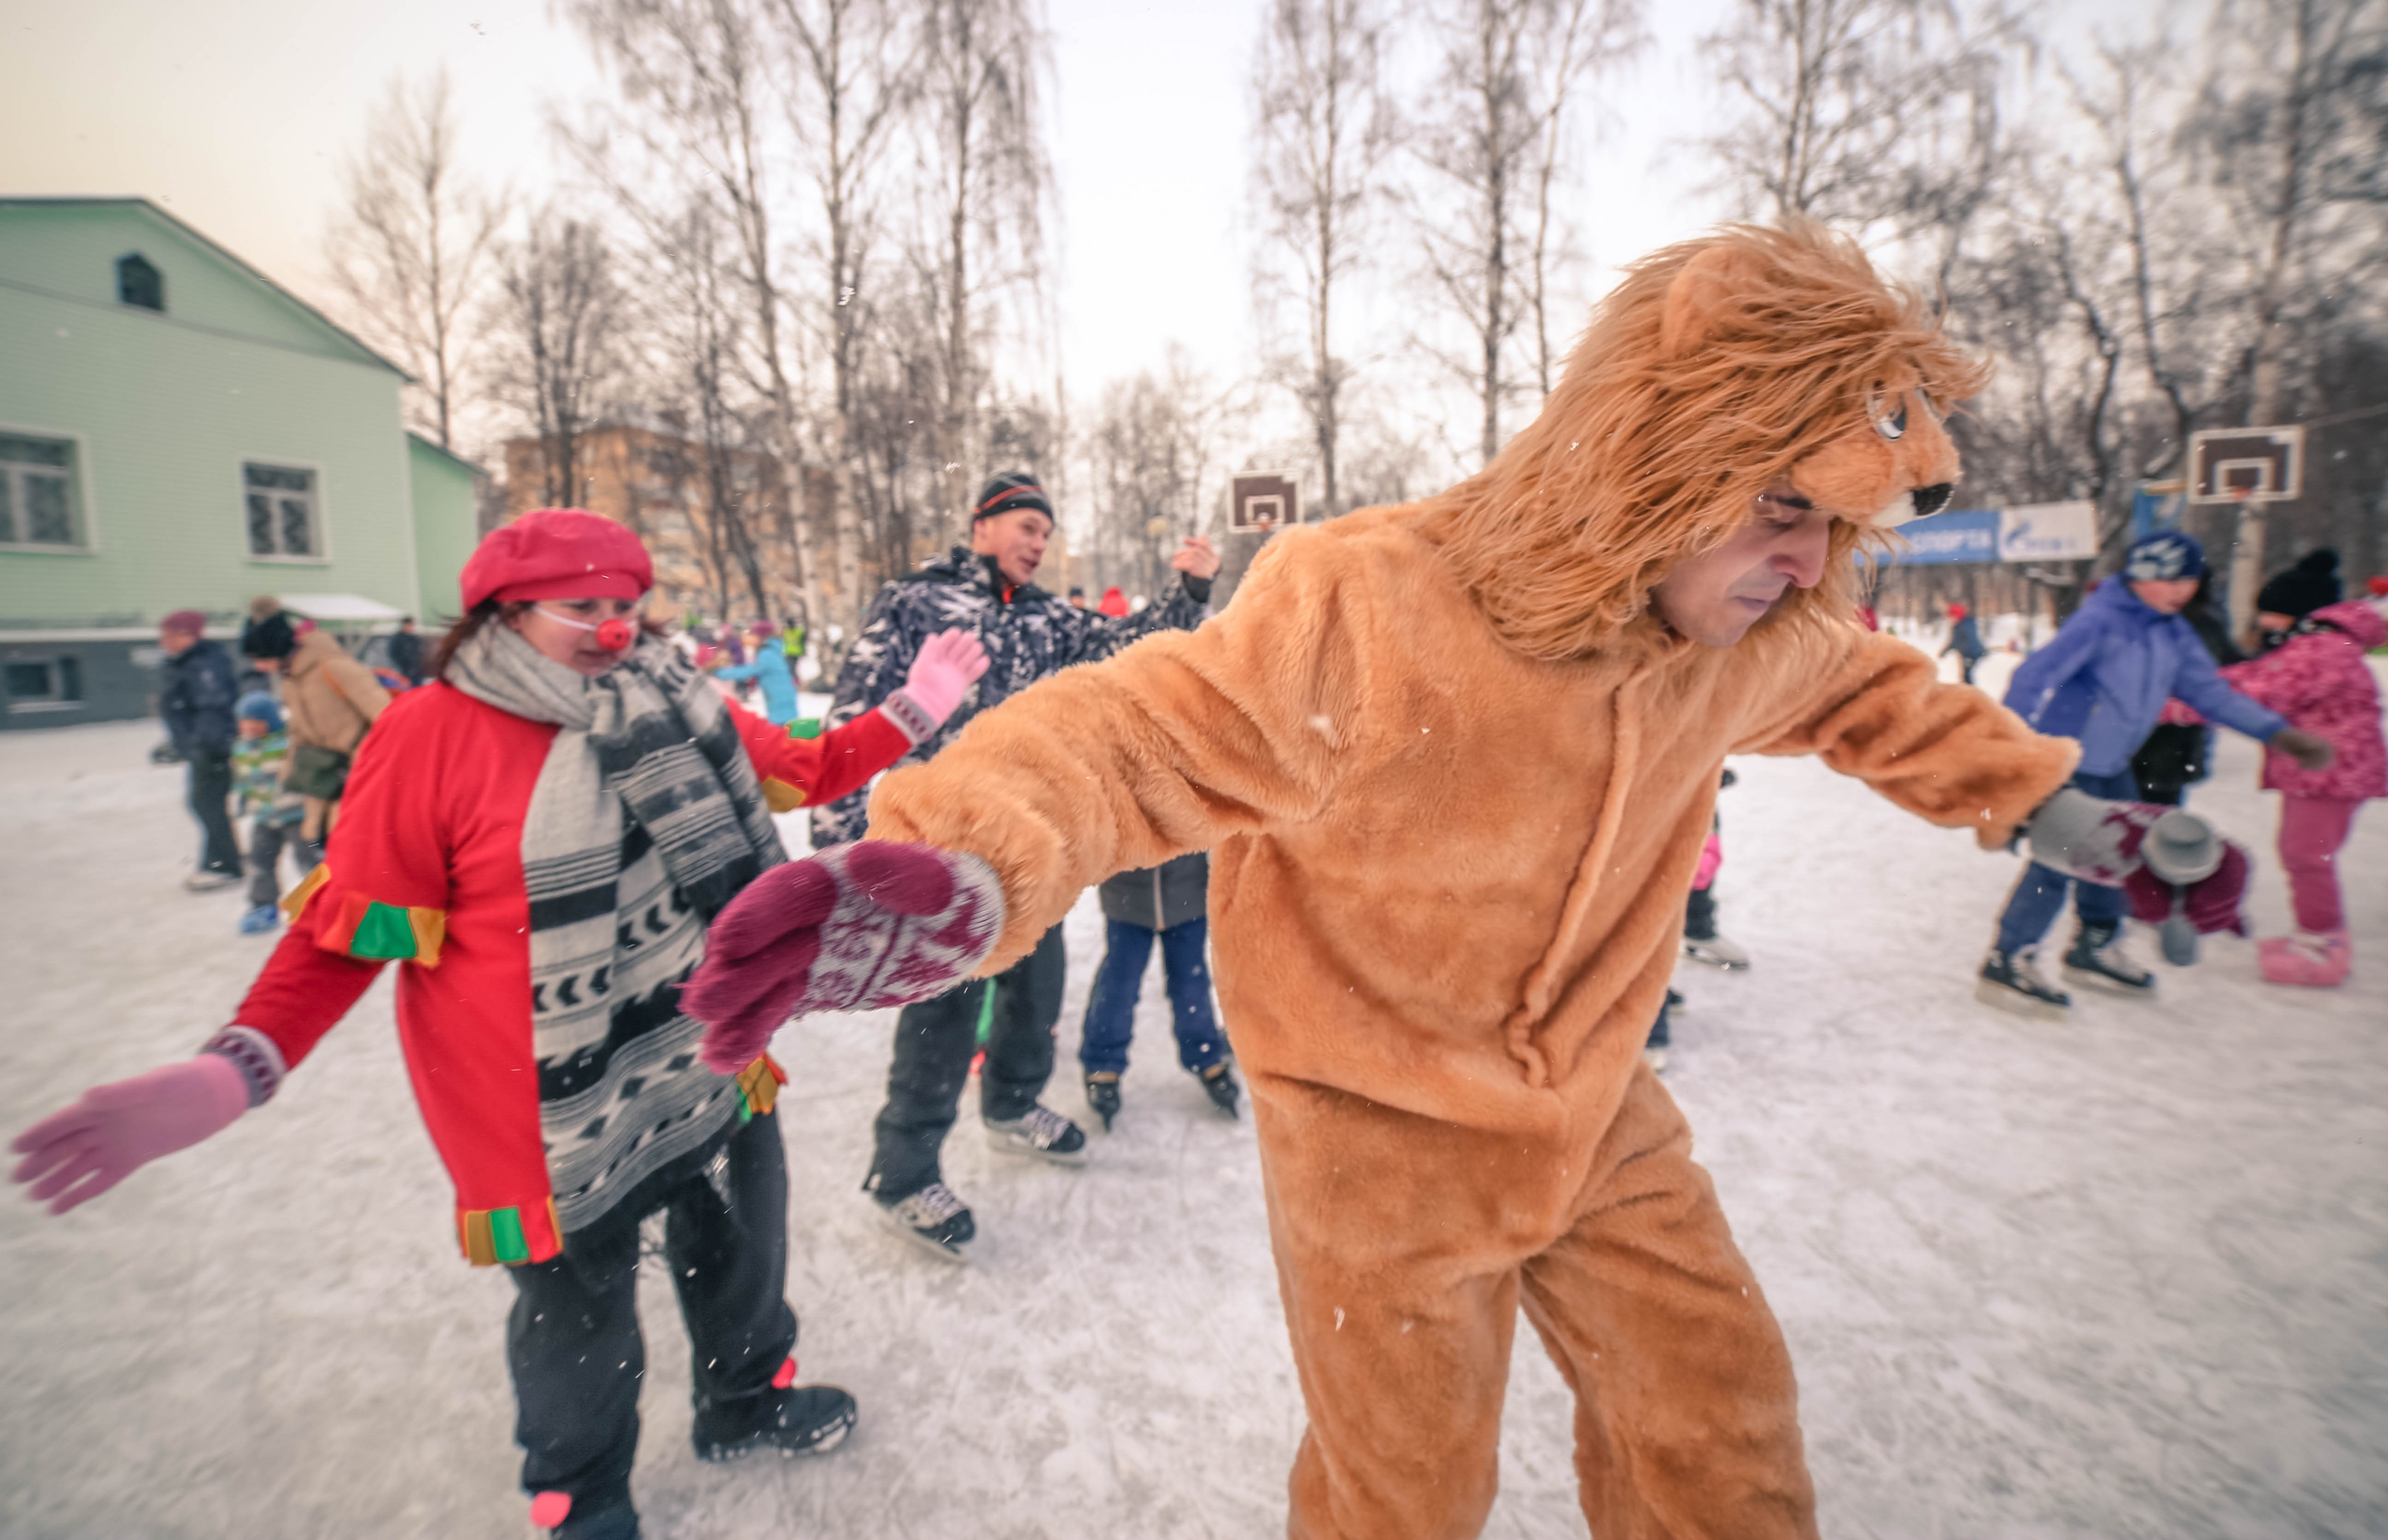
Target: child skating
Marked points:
260	756
2316	677
2104	681
1167	903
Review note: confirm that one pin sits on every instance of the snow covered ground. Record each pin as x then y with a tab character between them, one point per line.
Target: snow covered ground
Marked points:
2122	1277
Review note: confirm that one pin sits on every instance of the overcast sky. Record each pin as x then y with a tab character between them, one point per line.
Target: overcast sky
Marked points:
238	116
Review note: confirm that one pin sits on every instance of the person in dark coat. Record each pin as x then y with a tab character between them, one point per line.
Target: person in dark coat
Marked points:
197	703
2178	755
1170	901
989	588
1964	640
406	651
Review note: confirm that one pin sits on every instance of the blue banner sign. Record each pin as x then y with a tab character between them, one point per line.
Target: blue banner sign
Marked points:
1968	534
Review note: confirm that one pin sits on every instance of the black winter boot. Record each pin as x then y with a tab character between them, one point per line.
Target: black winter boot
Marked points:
1219	1083
560	1516
2097	958
793	1419
1103	1096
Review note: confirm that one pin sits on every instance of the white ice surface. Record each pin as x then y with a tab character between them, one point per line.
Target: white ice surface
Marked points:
2122	1277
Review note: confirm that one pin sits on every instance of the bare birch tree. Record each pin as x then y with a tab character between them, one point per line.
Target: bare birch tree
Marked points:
1482	147
854	62
698	96
1574	41
989	181
1323	131
1882	113
410	251
2294	121
560	316
708	455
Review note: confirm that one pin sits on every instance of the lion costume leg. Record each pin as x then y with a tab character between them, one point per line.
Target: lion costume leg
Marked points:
1397	1240
1400	1245
1686	1417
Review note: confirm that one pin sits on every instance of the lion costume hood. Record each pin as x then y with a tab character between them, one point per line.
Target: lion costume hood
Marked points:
1715	369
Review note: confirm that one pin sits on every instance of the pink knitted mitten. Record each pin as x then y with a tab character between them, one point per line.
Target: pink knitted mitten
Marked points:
853	928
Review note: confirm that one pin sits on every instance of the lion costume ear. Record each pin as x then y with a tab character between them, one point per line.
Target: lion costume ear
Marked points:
1701	290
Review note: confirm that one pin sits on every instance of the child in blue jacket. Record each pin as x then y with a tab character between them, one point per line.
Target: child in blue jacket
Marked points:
2104	681
770	670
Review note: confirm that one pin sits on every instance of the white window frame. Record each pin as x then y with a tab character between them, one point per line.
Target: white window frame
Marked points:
86	509
322	556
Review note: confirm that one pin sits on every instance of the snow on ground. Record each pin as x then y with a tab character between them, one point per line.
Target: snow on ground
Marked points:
2121	1276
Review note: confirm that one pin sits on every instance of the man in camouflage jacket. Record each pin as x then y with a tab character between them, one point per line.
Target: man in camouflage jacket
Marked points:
985	588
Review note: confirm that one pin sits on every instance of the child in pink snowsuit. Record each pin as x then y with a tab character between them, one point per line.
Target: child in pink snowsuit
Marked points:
2319	680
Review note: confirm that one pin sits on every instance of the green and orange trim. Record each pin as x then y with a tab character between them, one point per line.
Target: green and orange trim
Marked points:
760	1083
370	929
512	1236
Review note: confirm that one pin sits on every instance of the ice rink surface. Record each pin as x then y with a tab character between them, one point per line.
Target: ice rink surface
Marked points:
2126	1276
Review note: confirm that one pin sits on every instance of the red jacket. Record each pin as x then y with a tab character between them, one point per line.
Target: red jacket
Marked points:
425	868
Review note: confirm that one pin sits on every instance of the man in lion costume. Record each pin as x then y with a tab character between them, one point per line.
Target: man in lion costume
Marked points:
1454	761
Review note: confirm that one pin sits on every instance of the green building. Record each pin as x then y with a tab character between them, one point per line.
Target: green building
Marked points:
177	431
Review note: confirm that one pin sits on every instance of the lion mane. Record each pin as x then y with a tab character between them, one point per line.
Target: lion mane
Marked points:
1712	369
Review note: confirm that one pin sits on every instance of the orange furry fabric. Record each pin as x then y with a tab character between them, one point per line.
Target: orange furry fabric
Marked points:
1713	369
1456	776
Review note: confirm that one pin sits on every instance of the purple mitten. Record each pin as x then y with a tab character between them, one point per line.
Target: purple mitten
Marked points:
74	1155
854	928
2210	904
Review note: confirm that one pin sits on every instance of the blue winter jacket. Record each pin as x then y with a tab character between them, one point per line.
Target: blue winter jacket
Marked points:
770	670
2105	678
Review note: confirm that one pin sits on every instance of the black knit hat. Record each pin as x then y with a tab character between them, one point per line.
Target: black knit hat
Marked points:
1010	490
2303	588
272	636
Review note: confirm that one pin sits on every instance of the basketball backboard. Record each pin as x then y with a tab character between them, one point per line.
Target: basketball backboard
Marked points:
1264	499
2246	464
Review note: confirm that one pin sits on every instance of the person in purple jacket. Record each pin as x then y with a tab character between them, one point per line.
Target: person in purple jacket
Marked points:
2104	681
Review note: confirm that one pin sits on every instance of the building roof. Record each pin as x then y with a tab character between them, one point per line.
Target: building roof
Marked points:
228	257
446	454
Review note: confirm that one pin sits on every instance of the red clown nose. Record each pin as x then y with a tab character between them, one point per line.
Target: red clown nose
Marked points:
615	635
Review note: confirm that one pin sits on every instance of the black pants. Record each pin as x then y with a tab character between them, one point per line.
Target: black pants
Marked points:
933	1043
573	1339
211	784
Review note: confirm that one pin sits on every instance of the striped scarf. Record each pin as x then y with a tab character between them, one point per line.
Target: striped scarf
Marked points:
646	819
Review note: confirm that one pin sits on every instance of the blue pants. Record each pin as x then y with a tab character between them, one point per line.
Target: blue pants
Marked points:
2039	895
1111	1009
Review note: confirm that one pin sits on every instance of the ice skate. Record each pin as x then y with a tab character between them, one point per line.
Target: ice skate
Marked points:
2012	982
1219	1083
259	920
1654	1047
792	1419
934	1218
1716	951
2308	959
1040	1133
1103	1096
555	1516
2097	959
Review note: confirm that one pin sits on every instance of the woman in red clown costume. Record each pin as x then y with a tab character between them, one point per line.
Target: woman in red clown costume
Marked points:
540	839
